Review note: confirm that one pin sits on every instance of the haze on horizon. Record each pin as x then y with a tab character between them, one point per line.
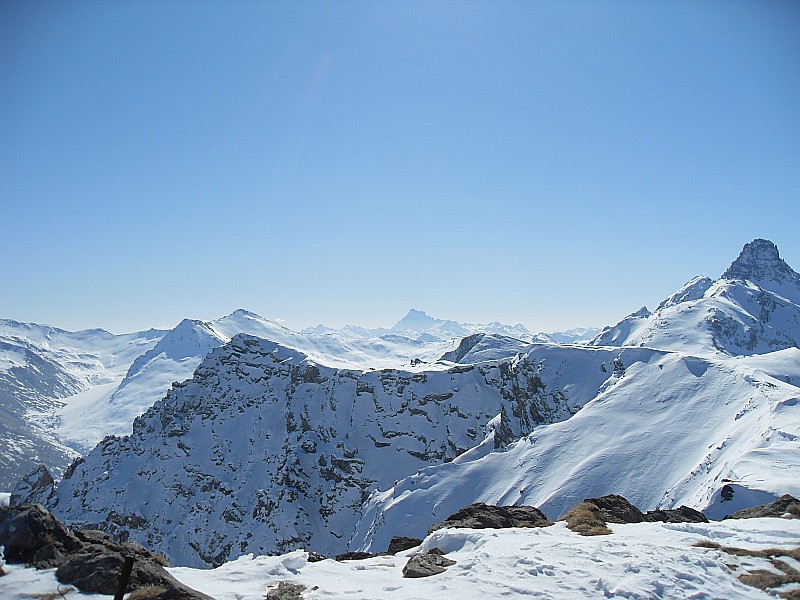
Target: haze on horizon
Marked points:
550	163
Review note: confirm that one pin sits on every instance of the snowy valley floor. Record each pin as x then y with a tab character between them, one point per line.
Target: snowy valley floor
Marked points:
645	560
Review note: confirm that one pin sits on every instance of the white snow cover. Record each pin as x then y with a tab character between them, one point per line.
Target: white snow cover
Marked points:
638	561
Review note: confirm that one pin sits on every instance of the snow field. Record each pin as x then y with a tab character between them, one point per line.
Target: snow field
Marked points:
639	561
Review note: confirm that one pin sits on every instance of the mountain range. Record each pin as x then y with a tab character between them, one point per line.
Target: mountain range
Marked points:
62	392
271	440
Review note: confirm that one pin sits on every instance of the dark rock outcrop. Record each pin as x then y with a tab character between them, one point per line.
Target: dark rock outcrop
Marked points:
286	591
354	556
399	543
37	486
426	564
682	514
785	505
88	559
484	516
616	509
33	536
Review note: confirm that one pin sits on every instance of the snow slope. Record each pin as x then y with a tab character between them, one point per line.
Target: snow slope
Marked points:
41	368
671	430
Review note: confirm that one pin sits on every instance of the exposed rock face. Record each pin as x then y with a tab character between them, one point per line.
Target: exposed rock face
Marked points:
354	556
616	509
590	517
89	560
31	535
484	516
37	487
760	262
426	564
786	505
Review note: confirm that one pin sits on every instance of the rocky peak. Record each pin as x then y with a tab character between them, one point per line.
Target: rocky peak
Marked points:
760	262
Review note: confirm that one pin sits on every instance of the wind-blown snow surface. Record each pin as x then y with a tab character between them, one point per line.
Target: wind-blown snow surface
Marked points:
639	561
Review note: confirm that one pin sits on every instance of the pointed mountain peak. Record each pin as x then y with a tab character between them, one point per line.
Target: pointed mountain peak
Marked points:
759	262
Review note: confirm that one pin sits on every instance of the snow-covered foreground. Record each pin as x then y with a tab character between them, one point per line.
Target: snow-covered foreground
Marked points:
642	560
645	560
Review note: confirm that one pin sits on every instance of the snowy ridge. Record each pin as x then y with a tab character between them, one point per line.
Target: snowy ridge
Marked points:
419	326
295	447
754	308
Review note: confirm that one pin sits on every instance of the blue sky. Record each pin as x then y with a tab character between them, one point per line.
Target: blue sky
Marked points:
550	163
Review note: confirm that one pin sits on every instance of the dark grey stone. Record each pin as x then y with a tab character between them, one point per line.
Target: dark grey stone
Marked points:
784	505
485	516
286	591
399	543
426	564
682	514
616	509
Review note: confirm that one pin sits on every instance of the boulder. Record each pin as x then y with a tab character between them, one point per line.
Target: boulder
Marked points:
786	505
286	591
88	559
484	516
682	514
400	543
426	564
354	556
616	509
32	535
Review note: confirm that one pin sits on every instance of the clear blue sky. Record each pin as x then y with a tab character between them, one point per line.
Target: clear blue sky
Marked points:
552	163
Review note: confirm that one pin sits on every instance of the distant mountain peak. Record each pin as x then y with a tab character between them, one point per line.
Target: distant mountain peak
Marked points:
760	261
416	320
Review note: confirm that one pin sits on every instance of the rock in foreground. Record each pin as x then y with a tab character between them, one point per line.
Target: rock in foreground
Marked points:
484	516
89	560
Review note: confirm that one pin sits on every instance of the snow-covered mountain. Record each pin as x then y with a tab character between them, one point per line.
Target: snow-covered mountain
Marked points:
710	403
671	429
418	325
753	308
265	449
41	368
62	392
